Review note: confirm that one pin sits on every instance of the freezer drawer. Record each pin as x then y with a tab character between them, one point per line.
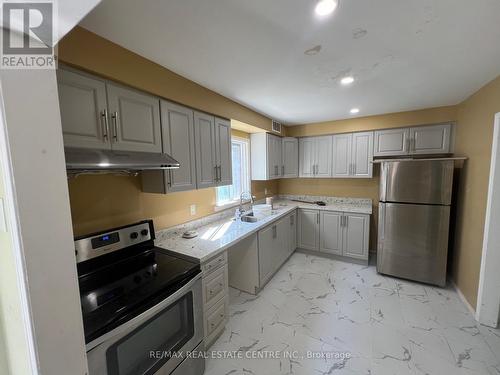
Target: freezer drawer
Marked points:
417	181
413	241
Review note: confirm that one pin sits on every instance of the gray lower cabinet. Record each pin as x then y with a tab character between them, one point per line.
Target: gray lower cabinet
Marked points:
178	141
135	119
308	230
213	151
254	260
84	109
331	232
215	297
339	233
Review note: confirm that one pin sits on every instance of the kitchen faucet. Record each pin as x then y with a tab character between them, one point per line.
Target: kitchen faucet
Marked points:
242	195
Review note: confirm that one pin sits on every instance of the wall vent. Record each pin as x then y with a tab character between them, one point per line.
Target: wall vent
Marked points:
276	126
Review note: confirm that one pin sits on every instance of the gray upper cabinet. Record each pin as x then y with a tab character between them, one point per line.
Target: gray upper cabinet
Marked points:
421	140
135	120
315	157
362	155
223	152
342	155
206	158
178	141
434	139
391	142
83	106
290	158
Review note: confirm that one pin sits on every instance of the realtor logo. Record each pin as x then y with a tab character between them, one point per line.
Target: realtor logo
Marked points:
27	35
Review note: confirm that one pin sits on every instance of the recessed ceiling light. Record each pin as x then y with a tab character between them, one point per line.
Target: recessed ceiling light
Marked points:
354	111
347	80
325	7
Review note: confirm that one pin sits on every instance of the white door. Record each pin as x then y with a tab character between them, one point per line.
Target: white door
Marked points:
135	120
290	149
223	150
307	157
178	142
331	232
323	156
83	105
356	236
204	136
391	142
266	253
293	232
342	164
362	155
434	139
308	230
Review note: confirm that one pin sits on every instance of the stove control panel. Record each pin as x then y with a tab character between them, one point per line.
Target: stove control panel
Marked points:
102	243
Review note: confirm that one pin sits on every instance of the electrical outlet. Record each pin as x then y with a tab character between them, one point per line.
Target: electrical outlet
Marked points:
193	209
265	191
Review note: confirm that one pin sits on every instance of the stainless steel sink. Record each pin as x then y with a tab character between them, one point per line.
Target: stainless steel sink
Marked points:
249	218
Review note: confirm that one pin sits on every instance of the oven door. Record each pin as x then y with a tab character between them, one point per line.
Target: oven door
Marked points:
142	345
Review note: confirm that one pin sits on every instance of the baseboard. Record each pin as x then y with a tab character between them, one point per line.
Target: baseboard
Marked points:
464	300
341	258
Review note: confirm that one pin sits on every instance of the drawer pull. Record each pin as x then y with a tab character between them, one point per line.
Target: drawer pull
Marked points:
222	315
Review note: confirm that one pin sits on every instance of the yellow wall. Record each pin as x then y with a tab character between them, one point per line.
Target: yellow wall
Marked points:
474	140
88	51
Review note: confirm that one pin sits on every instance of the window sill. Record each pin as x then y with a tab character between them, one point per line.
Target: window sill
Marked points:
225	206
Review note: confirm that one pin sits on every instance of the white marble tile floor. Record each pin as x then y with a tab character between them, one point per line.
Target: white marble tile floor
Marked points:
327	317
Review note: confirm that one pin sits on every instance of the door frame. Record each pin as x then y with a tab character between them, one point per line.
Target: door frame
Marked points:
488	303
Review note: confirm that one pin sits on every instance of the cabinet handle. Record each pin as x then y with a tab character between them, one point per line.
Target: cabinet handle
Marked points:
282	170
115	125
105	125
216	173
412	144
317	218
346	221
291	220
407	143
169	182
220	173
354	169
274	231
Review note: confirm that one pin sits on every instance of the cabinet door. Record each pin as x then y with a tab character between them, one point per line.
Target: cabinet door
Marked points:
355	236
204	136
273	156
290	149
391	142
324	156
308	231
342	164
135	120
362	155
433	139
306	157
278	156
83	106
281	243
266	253
293	232
331	232
223	151
178	142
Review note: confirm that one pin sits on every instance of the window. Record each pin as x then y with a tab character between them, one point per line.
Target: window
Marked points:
240	150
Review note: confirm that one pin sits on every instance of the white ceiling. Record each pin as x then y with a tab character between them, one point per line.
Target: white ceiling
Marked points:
415	53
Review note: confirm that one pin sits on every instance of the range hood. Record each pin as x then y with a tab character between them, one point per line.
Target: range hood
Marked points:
95	160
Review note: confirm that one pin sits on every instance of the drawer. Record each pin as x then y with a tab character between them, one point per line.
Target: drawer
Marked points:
214	263
216	317
215	286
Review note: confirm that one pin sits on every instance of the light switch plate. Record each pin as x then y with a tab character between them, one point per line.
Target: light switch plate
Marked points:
3	219
265	191
193	209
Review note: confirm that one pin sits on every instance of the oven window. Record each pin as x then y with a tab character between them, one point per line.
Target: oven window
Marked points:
167	331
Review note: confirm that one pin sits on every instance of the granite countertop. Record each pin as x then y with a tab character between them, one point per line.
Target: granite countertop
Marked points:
221	231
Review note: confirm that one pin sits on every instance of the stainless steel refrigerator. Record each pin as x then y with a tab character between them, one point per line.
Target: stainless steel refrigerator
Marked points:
414	218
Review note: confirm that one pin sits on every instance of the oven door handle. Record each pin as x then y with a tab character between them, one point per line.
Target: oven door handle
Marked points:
143	317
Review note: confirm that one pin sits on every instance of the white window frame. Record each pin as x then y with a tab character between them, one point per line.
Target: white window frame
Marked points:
246	182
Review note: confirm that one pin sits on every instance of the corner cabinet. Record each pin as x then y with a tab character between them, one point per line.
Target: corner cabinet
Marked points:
99	114
315	157
353	155
213	151
421	140
338	233
273	157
